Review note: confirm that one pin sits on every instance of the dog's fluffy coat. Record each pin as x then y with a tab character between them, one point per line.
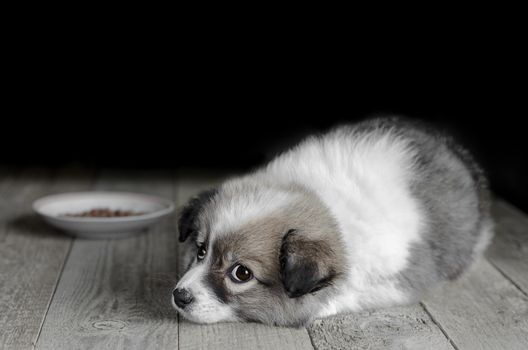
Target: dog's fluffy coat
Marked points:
367	215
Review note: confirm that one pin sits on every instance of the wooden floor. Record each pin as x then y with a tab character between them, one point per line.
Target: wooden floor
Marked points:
61	293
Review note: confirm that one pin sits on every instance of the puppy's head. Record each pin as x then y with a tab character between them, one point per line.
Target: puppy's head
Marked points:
257	253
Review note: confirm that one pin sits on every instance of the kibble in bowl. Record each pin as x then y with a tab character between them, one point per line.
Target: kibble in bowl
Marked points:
104	213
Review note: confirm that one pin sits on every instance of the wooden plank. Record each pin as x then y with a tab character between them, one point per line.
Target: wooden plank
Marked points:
231	335
394	328
482	310
32	254
509	251
115	294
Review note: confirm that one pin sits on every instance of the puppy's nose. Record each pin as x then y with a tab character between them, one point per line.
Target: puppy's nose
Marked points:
182	297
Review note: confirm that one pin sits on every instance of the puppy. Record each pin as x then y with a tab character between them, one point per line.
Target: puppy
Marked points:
368	215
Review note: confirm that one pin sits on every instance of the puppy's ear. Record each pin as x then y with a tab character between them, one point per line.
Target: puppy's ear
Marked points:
188	223
306	265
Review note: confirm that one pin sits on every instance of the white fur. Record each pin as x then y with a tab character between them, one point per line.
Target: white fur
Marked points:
363	181
485	239
206	308
236	212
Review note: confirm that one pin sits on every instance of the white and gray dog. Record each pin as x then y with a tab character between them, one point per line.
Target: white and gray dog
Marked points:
366	216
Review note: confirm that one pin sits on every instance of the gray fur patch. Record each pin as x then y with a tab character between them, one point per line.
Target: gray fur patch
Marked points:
453	193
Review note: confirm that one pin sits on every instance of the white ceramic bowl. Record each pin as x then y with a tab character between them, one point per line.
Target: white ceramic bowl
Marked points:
54	209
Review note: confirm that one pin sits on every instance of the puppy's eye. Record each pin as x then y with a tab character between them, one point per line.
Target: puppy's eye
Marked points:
240	274
201	252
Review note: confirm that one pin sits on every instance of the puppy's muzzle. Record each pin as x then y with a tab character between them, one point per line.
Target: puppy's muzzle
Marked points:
182	297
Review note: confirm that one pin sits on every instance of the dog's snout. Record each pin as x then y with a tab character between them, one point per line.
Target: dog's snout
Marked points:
182	297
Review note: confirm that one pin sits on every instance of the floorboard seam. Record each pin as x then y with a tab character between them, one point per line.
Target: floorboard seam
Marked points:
507	277
310	337
66	258
439	326
178	316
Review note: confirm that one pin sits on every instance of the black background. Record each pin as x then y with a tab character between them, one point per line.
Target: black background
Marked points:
161	109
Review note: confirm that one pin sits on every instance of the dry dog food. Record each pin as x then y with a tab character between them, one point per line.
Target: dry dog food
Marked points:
104	213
